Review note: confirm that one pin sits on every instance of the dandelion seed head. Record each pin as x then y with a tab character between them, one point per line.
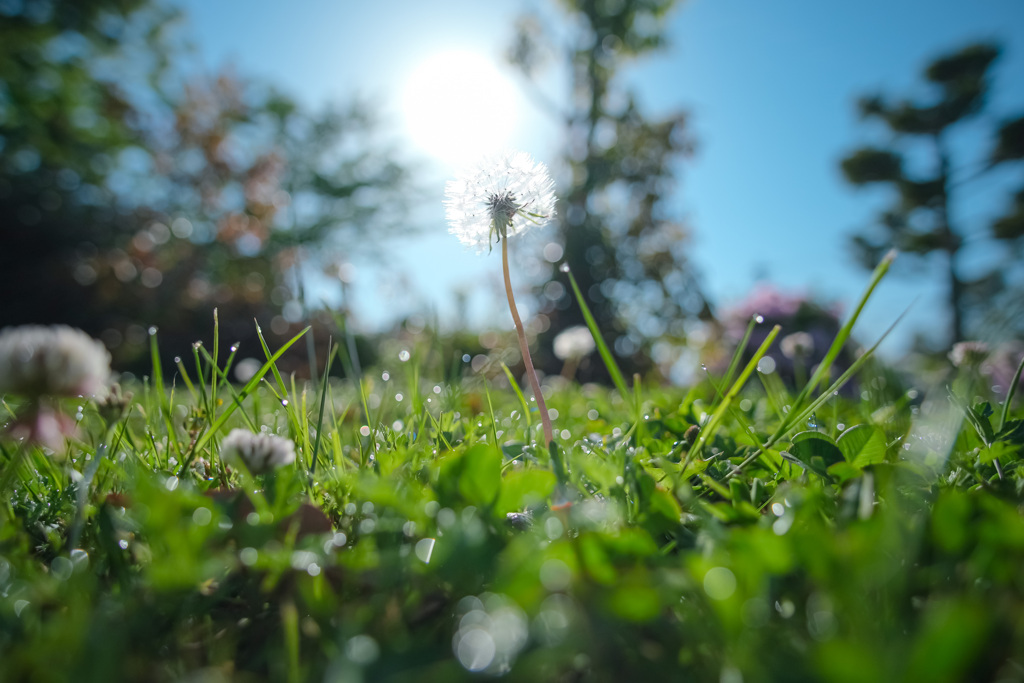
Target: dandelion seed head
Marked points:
38	361
574	342
797	345
260	452
497	197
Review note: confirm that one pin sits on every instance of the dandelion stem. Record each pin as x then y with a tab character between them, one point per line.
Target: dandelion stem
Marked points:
525	348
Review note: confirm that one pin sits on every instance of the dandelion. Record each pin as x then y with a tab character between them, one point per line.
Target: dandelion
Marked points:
797	345
259	452
574	342
38	363
499	197
571	346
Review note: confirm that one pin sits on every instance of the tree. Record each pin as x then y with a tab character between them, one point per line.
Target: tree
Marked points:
132	195
627	252
922	219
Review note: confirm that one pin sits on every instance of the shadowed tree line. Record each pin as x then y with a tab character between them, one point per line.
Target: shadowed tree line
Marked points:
136	194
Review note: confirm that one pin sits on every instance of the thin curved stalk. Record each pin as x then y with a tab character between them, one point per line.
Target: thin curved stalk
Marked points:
531	373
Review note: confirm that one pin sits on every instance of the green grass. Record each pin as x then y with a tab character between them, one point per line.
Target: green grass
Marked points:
425	537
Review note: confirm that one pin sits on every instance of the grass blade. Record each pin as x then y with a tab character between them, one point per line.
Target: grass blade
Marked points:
602	348
246	390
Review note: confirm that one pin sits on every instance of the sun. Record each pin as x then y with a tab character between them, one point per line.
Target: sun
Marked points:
457	105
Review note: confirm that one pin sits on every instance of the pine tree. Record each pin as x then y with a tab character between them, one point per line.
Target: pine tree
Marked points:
923	220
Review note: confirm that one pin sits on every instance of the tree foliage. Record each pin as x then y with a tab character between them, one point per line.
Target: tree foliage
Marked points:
134	194
922	218
625	248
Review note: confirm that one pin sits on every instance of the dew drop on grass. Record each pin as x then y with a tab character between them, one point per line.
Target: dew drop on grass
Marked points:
233	347
202	516
152	330
424	549
719	583
564	267
759	319
79	558
61	568
284	402
177	360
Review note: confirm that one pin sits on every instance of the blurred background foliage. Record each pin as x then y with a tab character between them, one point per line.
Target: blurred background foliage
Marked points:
625	248
138	190
135	193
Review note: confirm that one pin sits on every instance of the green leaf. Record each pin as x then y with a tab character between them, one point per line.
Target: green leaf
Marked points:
951	639
862	445
844	471
523	488
816	467
1000	449
480	479
951	524
1012	431
810	445
635	600
663	504
978	417
595	560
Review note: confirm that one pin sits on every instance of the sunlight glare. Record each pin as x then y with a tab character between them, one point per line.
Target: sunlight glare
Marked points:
458	105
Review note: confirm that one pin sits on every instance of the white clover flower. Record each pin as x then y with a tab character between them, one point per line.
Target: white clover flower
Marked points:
968	353
573	342
38	361
499	195
260	452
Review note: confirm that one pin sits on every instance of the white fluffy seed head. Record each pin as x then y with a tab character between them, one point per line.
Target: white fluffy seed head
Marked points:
38	361
573	342
499	196
797	345
259	452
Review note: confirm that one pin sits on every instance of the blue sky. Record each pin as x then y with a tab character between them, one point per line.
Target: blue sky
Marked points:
770	87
